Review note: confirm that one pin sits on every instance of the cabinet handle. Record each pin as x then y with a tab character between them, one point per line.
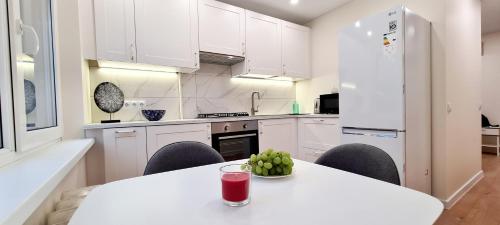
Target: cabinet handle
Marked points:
317	153
132	52
196	59
125	131
243	48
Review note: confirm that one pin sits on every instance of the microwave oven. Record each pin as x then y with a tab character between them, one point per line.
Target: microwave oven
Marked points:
329	104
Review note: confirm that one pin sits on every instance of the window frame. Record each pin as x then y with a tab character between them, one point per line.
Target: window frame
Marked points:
6	104
25	140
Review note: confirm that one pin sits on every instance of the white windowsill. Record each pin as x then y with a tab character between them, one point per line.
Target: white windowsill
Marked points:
26	183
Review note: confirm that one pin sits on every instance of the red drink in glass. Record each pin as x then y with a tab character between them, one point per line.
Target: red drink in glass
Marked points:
235	185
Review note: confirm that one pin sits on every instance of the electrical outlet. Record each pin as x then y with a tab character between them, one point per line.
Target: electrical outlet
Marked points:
139	104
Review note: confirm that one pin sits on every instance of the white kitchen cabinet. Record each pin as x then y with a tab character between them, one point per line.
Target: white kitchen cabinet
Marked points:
278	134
167	32
115	30
263	46
124	153
296	51
316	136
159	136
221	28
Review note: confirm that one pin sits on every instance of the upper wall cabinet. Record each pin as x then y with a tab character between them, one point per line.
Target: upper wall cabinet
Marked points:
263	38
156	32
167	32
296	51
115	30
274	48
221	28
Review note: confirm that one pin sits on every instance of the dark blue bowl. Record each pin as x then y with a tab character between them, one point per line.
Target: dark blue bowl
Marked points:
153	115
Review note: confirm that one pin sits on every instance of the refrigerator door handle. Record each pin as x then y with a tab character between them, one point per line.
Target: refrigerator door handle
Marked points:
370	132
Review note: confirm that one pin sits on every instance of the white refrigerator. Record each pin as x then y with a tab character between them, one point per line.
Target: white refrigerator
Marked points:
385	90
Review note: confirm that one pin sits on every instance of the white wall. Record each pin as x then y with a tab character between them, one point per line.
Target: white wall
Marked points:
70	68
455	62
491	77
463	92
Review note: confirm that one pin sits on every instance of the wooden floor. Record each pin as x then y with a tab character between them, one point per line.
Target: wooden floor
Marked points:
481	206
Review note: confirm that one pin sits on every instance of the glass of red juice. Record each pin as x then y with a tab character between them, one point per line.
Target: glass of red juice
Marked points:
236	180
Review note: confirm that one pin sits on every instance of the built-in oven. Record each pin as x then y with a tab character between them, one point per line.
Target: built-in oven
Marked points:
235	140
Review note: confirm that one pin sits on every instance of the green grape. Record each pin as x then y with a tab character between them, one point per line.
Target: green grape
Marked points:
253	158
254	169
279	170
274	154
286	171
268	165
264	157
272	171
260	163
269	151
265	172
258	170
285	160
277	160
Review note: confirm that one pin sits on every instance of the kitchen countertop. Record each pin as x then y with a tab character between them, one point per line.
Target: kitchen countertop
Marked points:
207	120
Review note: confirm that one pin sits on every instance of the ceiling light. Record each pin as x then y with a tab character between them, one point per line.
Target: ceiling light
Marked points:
369	33
357	24
294	2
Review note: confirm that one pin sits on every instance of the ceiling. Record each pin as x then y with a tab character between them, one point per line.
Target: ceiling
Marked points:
301	13
490	16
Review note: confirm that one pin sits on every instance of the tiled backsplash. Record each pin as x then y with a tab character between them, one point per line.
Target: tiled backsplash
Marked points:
209	90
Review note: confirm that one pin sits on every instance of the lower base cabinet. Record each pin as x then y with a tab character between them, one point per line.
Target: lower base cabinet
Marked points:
316	136
124	153
278	134
159	136
121	153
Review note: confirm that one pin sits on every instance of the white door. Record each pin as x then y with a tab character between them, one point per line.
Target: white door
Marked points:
296	51
167	32
391	142
263	40
371	73
159	136
124	153
221	27
115	30
278	134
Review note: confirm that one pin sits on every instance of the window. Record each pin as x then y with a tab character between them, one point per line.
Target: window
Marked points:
28	78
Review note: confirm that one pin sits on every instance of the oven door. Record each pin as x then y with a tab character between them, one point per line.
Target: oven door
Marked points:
236	145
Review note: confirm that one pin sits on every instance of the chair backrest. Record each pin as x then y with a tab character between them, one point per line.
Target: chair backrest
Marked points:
182	155
362	159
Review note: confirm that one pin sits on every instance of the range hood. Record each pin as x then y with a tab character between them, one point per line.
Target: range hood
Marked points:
220	59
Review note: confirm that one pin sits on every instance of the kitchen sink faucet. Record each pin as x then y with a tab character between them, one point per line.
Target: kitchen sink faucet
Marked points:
255	108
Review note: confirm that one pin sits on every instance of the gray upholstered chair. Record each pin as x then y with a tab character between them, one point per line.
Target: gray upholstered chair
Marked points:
362	159
182	155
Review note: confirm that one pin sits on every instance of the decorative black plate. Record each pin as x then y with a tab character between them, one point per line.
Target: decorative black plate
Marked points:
30	96
108	97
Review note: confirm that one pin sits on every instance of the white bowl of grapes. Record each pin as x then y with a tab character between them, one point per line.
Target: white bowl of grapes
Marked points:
271	164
